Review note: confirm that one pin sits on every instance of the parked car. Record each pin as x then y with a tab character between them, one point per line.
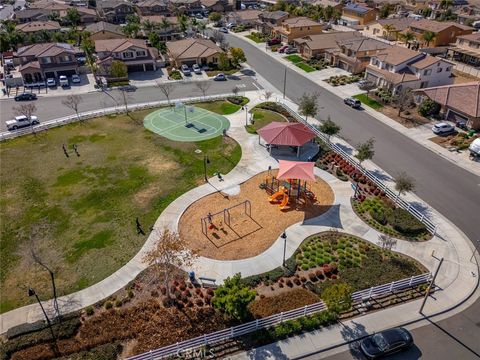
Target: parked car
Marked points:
230	25
76	79
51	82
223	30
186	70
274	41
386	342
443	128
196	69
354	103
21	121
363	84
64	81
199	16
127	88
474	147
220	77
25	97
283	48
291	50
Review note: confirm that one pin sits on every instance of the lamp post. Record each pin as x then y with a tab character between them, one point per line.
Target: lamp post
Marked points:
32	292
284	237
246	115
206	161
284	82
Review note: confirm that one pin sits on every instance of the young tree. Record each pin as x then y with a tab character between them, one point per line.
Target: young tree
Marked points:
403	184
224	62
368	86
402	99
73	18
365	150
170	252
166	89
25	109
72	102
154	39
308	105
267	94
235	90
203	86
338	297
386	241
183	22
428	36
329	128
233	297
118	69
215	17
217	37
407	37
238	56
389	28
148	26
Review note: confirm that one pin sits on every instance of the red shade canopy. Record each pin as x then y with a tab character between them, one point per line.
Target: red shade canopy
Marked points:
290	134
296	170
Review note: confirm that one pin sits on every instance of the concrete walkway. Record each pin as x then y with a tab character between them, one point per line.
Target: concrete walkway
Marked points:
455	279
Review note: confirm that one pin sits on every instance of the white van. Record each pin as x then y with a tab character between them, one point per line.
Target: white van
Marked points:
475	147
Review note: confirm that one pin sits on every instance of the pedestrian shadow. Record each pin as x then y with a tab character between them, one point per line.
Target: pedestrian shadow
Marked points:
271	351
352	334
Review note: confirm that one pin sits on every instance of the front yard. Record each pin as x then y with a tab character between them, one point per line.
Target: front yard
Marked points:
257	37
367	100
299	62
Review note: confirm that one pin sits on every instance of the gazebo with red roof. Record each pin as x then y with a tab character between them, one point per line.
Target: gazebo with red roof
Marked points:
286	134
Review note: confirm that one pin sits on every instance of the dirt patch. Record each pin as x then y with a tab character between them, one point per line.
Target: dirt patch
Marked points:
409	119
246	236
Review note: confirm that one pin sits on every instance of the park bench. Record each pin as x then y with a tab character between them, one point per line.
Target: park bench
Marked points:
207	282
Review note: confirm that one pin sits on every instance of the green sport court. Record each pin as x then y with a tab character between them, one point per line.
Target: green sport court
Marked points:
201	124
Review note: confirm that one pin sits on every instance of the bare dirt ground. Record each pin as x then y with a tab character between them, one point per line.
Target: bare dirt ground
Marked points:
246	236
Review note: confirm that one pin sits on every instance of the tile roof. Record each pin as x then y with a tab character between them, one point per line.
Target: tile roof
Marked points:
148	3
38	26
158	19
192	48
396	55
31	64
471	37
299	22
45	49
357	8
462	97
327	40
394	78
425	62
103	26
273	15
363	44
111	4
118	45
437	26
400	24
246	14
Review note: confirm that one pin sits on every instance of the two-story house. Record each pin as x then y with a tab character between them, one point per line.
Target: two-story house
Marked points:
466	50
167	27
153	7
355	14
389	28
397	68
296	27
103	31
267	20
353	54
42	11
315	46
39	62
445	32
468	14
133	52
188	7
115	11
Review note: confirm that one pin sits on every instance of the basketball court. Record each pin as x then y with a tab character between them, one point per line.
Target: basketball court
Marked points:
186	123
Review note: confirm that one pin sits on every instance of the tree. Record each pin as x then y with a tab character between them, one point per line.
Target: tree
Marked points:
73	18
428	36
385	10
426	12
25	109
235	90
148	26
389	28
169	252
238	56
72	102
154	39
131	29
307	105
403	184
365	150
203	86
217	37
215	17
386	242
402	99
267	94
428	107
118	69
233	297
368	86
338	297
183	22
445	4
407	37
166	89
224	62
329	128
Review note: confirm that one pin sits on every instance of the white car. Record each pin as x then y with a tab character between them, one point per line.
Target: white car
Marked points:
64	81
51	82
76	79
196	69
443	128
21	121
186	71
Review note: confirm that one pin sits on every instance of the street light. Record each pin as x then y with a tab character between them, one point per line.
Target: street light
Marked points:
206	161
32	292
284	237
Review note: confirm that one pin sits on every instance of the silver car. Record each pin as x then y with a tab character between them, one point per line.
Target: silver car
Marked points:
443	128
21	121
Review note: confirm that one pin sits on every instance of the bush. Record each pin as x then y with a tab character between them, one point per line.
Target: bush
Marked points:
405	223
108	305
26	328
130	294
233	297
290	300
118	303
238	100
89	310
428	107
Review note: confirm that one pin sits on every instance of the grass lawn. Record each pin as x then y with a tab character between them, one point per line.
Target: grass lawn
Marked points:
81	210
368	101
212	73
220	107
305	67
294	58
263	117
255	37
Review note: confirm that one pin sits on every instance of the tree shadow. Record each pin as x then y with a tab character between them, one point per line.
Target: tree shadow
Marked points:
380	175
248	72
271	351
352	334
330	218
346	149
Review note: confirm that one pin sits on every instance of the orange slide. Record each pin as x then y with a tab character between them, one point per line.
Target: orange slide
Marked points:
281	192
284	203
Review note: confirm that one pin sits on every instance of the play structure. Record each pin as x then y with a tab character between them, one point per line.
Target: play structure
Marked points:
215	222
290	185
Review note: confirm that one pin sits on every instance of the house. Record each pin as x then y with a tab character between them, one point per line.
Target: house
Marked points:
153	7
49	60
355	14
115	11
188	7
30	15
133	52
43	10
466	15
35	27
167	27
459	101
353	54
388	29
315	46
336	5
104	31
248	18
219	6
296	27
269	19
466	50
396	68
446	32
193	51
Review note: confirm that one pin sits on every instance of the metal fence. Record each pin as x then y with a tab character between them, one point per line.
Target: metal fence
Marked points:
103	112
431	227
230	333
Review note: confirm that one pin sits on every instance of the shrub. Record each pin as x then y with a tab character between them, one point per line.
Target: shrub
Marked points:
405	223
163	289
428	107
108	305
233	297
118	303
237	100
26	328
89	310
130	294
338	297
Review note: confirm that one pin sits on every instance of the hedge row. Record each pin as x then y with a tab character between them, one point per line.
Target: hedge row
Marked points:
273	275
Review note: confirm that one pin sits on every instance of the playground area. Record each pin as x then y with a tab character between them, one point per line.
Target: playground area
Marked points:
184	122
246	222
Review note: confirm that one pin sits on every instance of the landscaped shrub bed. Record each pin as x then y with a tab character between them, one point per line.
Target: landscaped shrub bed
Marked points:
384	95
258	37
318	64
273	106
238	100
337	80
290	300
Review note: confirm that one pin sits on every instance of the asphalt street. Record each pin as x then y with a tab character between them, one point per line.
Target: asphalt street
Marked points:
50	107
448	188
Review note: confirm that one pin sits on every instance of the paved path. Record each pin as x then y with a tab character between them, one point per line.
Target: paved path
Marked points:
455	279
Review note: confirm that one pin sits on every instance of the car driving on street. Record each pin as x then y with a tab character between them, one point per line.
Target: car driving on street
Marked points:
386	342
354	103
25	97
220	77
21	121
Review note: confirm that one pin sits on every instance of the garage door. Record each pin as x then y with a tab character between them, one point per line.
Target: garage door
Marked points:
137	68
66	72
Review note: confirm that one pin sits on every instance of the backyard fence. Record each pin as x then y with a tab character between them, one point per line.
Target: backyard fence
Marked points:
263	323
44	125
431	227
